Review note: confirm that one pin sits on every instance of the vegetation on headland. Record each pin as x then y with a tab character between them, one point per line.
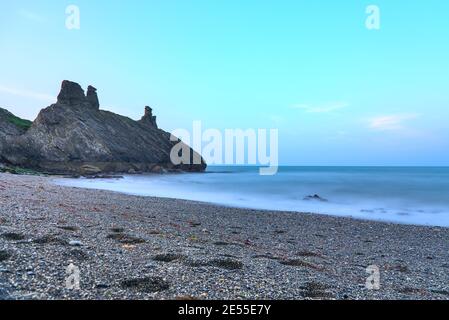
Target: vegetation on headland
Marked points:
18	122
18	170
21	123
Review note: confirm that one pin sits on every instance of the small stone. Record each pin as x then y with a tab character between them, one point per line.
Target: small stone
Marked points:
75	243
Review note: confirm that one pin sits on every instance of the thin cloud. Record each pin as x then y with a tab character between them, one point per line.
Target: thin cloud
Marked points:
27	94
324	108
390	122
276	119
32	16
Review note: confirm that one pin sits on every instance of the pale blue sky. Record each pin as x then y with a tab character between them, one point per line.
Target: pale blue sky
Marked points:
339	93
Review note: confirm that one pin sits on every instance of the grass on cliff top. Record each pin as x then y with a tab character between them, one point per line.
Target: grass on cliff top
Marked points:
18	122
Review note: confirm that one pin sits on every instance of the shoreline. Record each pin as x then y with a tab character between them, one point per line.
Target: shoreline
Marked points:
60	181
230	206
135	247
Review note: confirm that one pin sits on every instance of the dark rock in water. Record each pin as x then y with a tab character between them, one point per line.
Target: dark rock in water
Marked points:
104	176
73	136
316	198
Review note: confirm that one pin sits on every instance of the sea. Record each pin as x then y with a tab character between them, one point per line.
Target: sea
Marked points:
407	195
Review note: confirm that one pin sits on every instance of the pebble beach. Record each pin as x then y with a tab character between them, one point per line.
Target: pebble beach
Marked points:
133	247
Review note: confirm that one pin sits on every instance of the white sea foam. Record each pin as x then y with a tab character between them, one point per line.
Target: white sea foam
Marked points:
403	195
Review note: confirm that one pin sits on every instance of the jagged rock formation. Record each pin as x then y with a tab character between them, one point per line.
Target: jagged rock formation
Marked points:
148	117
92	97
75	136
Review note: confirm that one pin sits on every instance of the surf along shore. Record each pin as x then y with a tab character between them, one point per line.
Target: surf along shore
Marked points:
131	247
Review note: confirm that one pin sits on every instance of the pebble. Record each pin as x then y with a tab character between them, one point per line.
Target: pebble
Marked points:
75	243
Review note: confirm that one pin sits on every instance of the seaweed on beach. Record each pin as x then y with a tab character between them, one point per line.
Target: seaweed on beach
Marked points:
168	257
412	291
301	263
4	255
49	239
441	292
12	236
228	263
401	268
222	243
147	284
125	239
68	228
316	290
307	253
398	267
78	254
268	256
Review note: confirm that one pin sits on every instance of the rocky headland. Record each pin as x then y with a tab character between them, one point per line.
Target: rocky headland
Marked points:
73	136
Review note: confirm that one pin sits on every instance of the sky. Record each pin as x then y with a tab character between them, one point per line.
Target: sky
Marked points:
338	92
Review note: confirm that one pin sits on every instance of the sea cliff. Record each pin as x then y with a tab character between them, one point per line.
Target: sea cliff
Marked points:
74	136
